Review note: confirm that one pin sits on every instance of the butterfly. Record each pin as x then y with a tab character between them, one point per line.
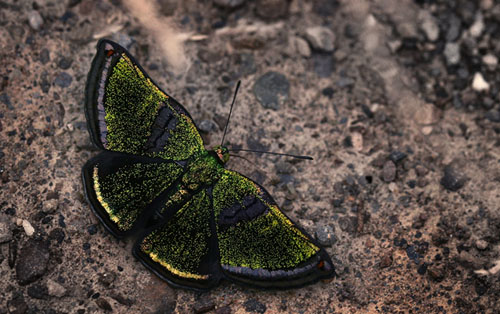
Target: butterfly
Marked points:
196	222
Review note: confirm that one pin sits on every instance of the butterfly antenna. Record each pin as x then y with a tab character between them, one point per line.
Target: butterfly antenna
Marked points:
243	158
271	153
230	111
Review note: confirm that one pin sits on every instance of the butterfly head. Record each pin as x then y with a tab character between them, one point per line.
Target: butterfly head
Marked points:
222	152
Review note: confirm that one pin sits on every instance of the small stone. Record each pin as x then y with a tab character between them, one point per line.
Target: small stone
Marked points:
481	245
491	61
428	25
32	262
452	53
453	180
271	90
44	56
357	141
422	269
37	291
454	28
64	63
325	236
272	9
386	260
207	126
254	306
28	228
320	38
436	274
397	156
103	304
477	28
5	229
389	171
479	84
35	20
323	64
204	305
55	289
63	80
301	46
231	4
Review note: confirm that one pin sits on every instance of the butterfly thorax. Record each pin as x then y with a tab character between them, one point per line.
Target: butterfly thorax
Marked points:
222	153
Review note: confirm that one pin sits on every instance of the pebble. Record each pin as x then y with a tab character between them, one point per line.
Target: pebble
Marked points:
452	179
454	28
44	56
272	9
452	53
428	25
386	260
28	228
103	304
231	4
389	171
322	64
254	306
55	289
204	305
397	156
64	63
491	61
5	229
35	20
320	38
301	46
481	245
32	261
63	80
325	236
477	28
37	291
271	90
207	126
436	274
479	84
357	141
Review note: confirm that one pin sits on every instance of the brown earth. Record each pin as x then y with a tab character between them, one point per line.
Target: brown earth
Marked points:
406	166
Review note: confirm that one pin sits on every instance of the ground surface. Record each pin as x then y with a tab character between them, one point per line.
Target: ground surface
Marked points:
398	102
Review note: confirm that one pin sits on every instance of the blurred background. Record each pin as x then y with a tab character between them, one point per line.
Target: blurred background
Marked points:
397	101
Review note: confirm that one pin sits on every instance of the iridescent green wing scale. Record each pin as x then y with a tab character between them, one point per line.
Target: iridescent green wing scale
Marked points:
182	251
127	112
147	137
258	244
121	188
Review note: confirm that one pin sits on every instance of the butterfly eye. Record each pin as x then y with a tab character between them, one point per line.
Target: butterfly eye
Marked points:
110	52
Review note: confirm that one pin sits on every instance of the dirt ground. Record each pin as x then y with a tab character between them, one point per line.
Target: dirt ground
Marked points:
397	101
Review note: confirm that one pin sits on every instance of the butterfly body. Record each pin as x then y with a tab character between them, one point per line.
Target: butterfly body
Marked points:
196	222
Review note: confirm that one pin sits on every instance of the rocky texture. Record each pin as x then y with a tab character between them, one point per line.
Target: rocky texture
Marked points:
271	90
427	241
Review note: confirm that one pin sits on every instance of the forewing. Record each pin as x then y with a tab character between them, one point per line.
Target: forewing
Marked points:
122	188
182	250
127	112
258	244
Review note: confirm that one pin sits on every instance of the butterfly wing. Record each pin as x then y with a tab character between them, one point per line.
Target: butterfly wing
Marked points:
127	112
258	244
122	189
182	250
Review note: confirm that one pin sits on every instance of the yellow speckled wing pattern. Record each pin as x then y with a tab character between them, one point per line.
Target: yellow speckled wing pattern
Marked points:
127	112
258	244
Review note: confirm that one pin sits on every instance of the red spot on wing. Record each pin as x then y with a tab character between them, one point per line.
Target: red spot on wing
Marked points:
109	53
321	264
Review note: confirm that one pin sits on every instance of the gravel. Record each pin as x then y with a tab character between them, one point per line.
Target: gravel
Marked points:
271	90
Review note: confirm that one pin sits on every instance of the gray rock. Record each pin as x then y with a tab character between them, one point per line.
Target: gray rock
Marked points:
428	25
322	64
55	289
44	56
301	46
452	53
254	306
325	236
229	3
32	262
271	90
35	20
454	28
320	38
272	9
63	80
207	126
5	229
453	180
389	171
